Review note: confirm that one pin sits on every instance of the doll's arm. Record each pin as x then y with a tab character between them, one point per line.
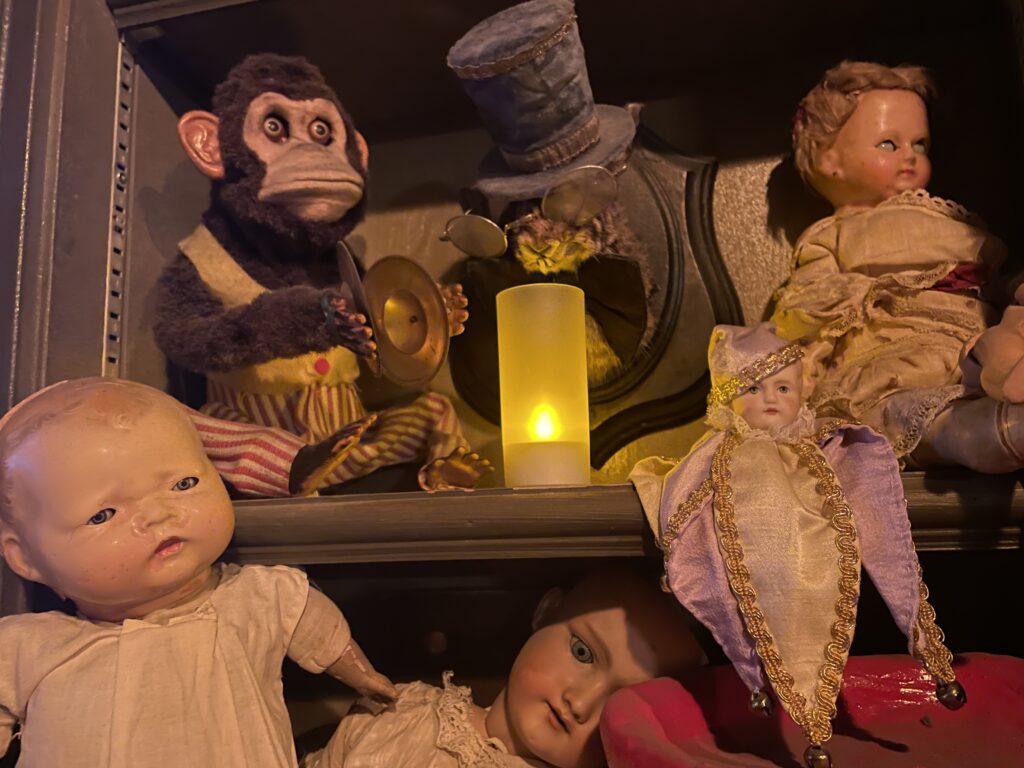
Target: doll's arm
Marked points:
356	671
7	722
322	642
820	303
196	331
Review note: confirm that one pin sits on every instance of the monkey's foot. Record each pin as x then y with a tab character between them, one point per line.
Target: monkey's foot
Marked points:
314	463
458	471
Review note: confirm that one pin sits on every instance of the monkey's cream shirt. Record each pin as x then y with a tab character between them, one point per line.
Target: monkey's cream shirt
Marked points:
196	686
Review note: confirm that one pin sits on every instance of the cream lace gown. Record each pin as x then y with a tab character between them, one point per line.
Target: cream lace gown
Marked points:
428	727
884	343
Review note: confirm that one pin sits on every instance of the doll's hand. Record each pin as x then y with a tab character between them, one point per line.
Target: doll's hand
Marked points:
349	328
1000	352
459	471
455	303
355	670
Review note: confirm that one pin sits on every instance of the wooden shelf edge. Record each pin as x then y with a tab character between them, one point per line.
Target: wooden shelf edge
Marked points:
954	511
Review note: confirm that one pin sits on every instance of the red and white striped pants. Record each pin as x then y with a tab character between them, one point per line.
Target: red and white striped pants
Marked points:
257	459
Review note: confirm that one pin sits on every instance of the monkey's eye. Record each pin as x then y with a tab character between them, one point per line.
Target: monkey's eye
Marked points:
275	128
320	131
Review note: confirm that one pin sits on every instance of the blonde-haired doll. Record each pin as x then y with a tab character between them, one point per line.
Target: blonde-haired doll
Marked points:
765	526
885	292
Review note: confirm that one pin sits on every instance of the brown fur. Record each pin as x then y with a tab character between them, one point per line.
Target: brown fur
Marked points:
293	258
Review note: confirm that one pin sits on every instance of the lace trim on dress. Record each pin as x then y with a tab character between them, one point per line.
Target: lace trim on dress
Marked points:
724	418
456	734
922	199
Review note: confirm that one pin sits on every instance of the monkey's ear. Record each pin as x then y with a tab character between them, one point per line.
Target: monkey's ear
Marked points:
364	150
198	133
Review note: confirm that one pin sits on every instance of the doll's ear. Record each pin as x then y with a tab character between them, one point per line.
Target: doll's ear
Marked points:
16	557
551	600
829	165
364	151
197	131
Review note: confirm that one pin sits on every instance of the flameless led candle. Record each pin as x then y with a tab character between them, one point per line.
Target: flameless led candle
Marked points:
542	368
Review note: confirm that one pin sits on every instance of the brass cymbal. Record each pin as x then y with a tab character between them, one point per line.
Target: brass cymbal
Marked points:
410	323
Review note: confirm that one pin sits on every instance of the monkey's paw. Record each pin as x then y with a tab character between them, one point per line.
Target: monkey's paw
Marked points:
458	471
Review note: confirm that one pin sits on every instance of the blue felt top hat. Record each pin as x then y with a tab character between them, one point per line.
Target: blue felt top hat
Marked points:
524	69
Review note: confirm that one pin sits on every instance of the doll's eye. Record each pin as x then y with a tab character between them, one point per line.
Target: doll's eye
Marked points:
275	128
887	146
320	131
581	651
102	516
752	390
783	388
185	483
920	147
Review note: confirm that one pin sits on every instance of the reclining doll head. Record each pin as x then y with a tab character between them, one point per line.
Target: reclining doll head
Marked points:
756	374
610	631
861	135
107	497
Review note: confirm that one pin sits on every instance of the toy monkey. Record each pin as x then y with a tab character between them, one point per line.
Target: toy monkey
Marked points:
251	300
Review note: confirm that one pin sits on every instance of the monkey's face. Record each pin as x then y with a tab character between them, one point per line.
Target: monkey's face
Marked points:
302	146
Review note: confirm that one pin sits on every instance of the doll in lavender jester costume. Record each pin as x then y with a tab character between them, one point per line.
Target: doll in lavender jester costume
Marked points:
766	523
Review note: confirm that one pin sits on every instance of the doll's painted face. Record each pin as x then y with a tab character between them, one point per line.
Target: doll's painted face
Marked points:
880	151
774	401
564	674
118	510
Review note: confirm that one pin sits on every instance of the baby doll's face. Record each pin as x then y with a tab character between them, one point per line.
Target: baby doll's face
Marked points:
120	519
774	401
882	150
566	671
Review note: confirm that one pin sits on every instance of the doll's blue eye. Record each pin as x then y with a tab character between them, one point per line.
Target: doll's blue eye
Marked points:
887	146
581	651
102	516
185	483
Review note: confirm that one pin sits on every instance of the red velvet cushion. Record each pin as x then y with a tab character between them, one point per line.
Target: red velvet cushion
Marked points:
888	716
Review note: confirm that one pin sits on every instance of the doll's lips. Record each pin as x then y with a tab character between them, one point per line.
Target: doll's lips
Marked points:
169	547
557	720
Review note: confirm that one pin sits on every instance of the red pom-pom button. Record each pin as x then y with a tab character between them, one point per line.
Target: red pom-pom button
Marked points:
321	366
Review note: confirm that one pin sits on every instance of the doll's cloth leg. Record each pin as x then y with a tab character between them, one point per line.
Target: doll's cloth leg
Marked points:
256	460
424	430
314	412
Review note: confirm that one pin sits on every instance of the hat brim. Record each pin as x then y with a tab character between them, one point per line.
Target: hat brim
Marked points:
496	179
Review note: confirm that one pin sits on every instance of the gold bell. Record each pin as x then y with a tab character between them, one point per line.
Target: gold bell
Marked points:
817	756
952	695
761	703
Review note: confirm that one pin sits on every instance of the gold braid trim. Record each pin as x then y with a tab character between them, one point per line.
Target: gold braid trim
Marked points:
760	369
681	515
935	656
815	721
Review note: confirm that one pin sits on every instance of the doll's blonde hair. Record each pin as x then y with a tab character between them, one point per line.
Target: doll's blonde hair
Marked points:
828	106
109	402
